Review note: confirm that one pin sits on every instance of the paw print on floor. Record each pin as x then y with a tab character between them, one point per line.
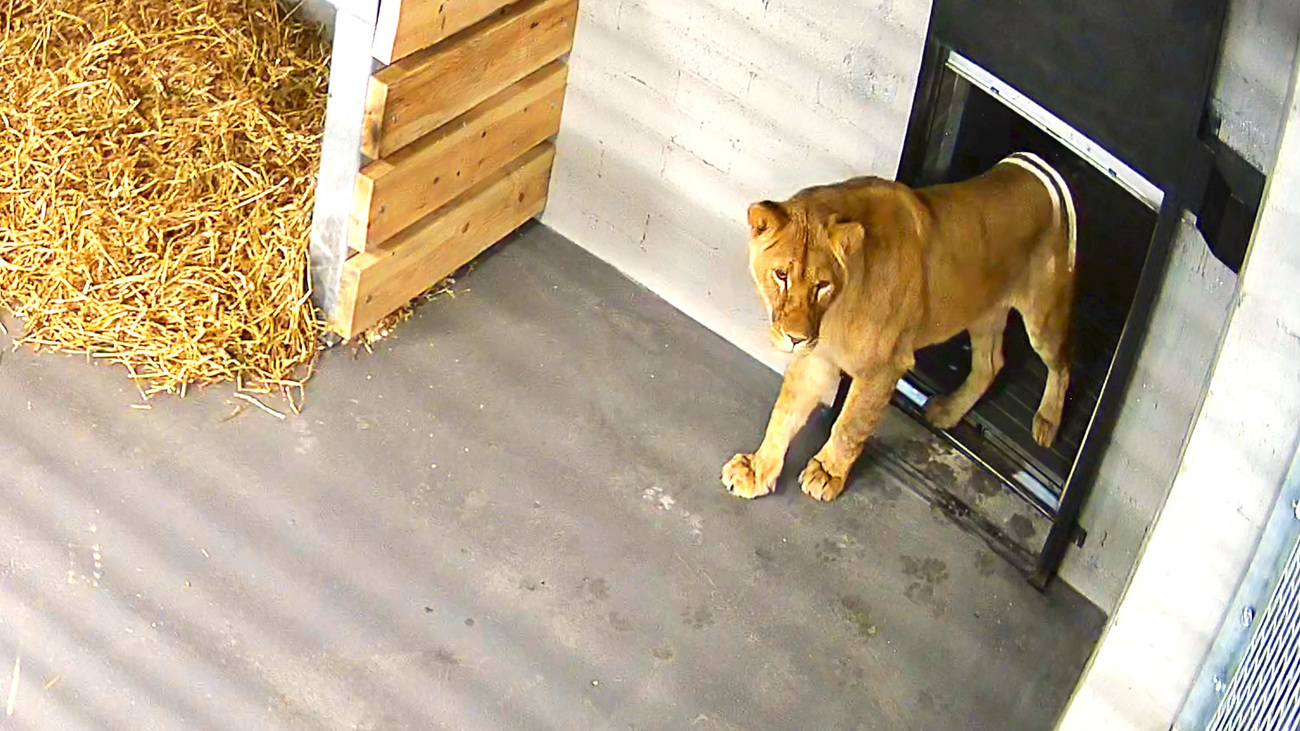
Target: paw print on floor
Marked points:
828	551
699	618
658	497
925	574
666	503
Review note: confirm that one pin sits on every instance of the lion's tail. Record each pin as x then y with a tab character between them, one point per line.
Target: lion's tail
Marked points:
1062	200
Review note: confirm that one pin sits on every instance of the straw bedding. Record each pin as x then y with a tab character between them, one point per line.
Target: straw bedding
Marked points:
157	171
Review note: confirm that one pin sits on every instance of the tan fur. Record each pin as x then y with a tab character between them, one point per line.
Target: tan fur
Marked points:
858	275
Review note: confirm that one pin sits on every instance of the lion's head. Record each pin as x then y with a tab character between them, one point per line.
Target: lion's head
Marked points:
798	256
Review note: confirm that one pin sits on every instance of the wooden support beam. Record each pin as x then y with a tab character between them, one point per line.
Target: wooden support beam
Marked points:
421	92
395	192
407	26
375	284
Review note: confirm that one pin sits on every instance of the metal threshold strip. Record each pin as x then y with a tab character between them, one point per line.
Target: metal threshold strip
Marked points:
1125	176
1029	485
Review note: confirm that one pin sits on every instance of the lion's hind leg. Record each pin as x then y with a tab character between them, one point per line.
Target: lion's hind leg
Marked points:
985	361
1047	321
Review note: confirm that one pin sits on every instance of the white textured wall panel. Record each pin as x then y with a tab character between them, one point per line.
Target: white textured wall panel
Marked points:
681	112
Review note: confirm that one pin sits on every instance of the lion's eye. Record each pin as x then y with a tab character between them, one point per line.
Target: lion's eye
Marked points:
823	288
780	275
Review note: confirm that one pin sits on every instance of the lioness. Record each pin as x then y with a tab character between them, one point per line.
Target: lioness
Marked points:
858	275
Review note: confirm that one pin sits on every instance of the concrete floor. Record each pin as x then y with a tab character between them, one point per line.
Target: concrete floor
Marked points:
507	517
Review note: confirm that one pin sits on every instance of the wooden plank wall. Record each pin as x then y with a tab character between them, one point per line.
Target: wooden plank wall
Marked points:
465	72
457	129
407	26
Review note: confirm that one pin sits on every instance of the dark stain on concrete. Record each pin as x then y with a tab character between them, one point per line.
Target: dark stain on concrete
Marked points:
699	618
663	652
882	487
828	551
1021	527
857	612
923	455
619	622
597	588
926	574
986	562
984	485
947	506
444	656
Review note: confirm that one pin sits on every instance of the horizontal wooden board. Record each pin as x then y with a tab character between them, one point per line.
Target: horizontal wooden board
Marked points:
397	191
377	283
407	26
420	93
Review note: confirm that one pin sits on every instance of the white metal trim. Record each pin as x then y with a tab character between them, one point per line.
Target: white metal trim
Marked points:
1039	490
1116	169
350	68
911	393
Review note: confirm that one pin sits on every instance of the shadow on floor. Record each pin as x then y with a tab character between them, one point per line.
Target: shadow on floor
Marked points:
507	517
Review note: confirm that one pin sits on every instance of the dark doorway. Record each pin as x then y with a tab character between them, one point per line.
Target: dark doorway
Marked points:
965	120
1115	232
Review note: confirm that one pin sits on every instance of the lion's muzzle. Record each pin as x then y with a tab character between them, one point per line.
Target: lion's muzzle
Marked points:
792	341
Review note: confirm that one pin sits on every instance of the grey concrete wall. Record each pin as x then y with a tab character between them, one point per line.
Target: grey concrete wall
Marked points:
680	112
1259	49
1165	393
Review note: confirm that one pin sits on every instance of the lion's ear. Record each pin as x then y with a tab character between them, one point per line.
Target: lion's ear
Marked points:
765	216
846	239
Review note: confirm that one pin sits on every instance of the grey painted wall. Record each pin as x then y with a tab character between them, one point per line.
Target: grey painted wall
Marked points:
680	112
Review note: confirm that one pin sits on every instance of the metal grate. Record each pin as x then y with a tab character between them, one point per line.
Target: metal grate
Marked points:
1264	694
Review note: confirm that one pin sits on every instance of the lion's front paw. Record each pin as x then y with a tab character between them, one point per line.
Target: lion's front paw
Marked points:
748	477
819	483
